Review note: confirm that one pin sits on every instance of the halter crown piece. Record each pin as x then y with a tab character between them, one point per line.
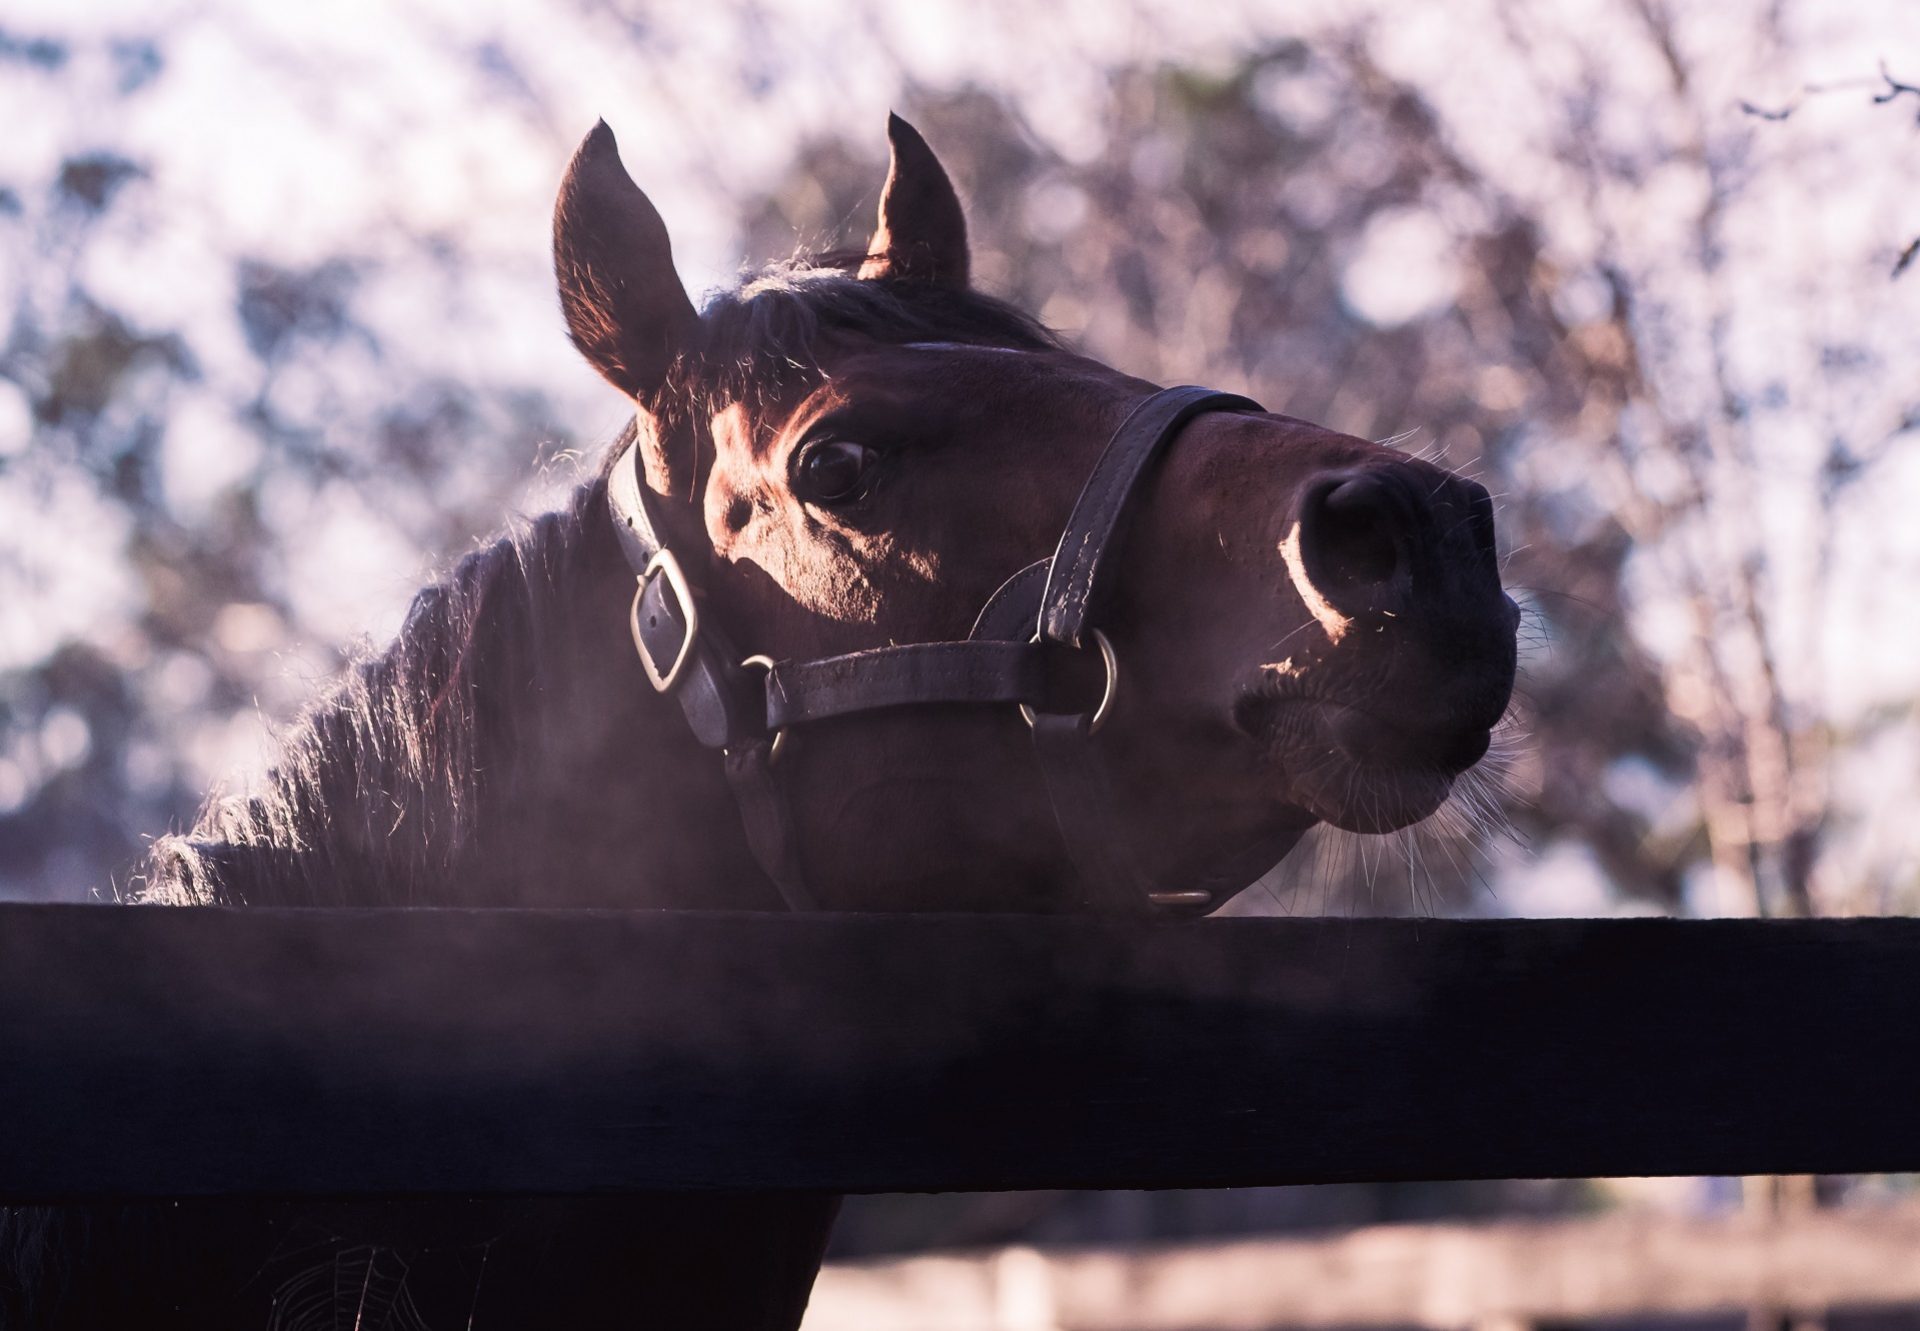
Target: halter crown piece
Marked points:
1019	651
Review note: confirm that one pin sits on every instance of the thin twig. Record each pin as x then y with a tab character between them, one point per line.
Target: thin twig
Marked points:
1889	88
1894	87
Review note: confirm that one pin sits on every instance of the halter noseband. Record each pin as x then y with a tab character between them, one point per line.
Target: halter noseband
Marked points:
1015	655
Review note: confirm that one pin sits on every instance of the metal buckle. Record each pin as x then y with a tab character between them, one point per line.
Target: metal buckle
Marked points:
779	736
665	563
1112	663
1175	900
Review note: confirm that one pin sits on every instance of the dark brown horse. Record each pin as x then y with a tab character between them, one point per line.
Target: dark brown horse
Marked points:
1285	626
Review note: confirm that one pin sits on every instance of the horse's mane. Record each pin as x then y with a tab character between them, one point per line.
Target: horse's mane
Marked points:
377	786
377	783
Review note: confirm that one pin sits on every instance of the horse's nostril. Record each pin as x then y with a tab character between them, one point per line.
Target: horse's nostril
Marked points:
1466	749
1350	532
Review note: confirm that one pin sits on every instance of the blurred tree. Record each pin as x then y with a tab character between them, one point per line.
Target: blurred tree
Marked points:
159	509
1732	445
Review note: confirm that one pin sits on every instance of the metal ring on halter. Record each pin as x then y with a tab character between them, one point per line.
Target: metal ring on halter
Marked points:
1112	663
1186	898
780	735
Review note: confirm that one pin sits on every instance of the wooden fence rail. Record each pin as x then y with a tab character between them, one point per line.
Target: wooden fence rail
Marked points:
173	1052
1445	1277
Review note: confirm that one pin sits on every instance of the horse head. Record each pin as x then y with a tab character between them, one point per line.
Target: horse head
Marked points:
1294	625
1047	637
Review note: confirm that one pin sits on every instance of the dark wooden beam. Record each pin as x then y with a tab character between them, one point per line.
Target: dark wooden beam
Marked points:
157	1052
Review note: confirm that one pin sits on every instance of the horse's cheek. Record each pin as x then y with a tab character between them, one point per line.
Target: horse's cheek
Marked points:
824	574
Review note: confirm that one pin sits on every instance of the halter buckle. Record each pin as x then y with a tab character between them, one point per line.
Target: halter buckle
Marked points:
665	564
1112	664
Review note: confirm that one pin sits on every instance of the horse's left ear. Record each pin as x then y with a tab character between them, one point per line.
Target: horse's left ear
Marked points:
922	236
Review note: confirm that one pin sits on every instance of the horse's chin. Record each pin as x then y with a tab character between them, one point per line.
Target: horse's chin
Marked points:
1347	766
1373	799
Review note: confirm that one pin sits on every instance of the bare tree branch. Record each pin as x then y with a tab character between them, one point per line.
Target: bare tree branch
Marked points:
1907	256
1889	88
1894	87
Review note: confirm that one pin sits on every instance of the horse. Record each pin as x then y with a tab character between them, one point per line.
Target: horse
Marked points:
886	600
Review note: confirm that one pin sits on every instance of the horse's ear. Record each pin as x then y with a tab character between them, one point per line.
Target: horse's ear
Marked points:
624	305
922	236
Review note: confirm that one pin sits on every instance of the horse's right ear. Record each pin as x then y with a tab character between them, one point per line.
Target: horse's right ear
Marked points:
624	305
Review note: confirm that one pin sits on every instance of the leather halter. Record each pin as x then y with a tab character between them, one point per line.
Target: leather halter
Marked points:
1018	653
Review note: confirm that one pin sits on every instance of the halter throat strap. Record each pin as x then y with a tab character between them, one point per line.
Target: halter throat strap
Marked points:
1032	647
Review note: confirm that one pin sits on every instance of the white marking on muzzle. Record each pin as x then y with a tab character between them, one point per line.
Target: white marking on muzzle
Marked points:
1335	623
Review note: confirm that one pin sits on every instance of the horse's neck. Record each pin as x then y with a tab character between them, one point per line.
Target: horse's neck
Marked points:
615	804
505	752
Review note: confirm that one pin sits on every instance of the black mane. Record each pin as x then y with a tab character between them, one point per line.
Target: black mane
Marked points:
378	782
377	787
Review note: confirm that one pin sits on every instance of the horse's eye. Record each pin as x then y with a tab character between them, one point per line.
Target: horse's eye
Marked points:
833	471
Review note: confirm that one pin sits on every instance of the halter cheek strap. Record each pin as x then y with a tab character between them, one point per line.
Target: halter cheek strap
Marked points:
1031	647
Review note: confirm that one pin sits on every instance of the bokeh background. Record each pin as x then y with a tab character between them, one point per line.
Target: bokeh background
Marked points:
280	341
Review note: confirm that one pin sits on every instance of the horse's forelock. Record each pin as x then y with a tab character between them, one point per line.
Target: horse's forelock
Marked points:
770	331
